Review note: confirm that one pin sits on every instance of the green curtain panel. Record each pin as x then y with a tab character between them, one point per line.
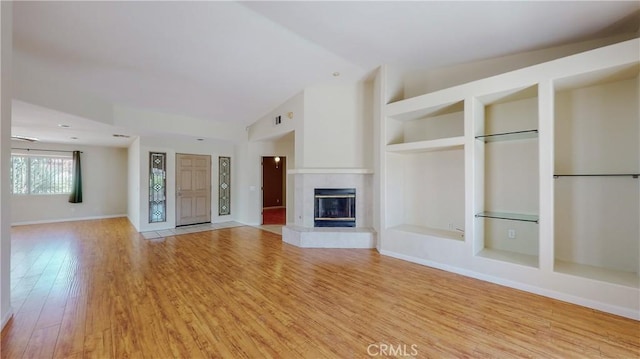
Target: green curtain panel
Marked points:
76	189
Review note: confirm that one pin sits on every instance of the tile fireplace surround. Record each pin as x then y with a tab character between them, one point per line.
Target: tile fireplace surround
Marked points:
303	233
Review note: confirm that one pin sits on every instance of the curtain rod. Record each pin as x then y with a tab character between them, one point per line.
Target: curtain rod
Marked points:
38	149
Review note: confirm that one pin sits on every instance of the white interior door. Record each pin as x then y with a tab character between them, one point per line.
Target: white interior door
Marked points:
193	181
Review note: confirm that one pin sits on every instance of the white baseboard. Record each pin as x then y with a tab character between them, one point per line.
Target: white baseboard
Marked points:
5	319
621	311
68	219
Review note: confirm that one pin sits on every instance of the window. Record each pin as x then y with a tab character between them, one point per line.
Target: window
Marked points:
41	174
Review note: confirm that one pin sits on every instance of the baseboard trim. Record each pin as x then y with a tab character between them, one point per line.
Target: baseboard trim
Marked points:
5	319
613	309
68	219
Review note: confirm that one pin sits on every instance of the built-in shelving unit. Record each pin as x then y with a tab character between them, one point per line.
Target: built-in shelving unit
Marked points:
597	164
507	186
528	179
425	182
426	124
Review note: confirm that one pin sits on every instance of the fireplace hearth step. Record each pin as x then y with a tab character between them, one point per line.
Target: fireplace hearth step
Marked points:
329	237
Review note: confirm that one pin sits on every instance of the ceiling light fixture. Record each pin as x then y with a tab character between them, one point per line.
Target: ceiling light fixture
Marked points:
200	139
63	125
74	138
336	74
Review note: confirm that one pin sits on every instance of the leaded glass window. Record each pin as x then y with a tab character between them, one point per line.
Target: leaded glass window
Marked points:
224	190
157	187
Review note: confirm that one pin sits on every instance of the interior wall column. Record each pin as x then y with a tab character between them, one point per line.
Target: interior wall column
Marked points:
6	29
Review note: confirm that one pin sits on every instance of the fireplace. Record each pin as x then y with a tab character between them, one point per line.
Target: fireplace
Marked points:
335	207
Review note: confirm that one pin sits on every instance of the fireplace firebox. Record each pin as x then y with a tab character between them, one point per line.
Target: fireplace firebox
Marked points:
335	207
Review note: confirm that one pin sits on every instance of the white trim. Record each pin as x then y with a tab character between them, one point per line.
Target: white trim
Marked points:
68	219
7	316
625	312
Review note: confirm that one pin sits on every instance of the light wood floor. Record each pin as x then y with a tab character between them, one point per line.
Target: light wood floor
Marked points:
99	289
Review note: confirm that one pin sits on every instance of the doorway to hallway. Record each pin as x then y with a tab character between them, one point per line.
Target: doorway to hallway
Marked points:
274	169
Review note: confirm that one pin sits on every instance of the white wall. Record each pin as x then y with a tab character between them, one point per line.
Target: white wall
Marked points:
338	127
267	139
597	218
104	182
6	20
133	183
171	147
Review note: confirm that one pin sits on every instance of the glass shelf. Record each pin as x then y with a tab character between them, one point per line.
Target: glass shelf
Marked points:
508	136
634	175
509	216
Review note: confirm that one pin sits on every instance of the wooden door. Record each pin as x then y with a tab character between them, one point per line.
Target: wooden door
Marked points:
193	182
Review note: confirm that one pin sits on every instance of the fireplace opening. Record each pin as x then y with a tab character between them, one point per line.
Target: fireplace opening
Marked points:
335	207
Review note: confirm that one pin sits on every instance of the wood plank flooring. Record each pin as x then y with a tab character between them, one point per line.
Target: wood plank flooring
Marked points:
98	289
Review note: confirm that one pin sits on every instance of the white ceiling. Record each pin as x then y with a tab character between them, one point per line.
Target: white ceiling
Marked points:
231	61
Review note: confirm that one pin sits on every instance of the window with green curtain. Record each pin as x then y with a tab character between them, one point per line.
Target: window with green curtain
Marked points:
76	187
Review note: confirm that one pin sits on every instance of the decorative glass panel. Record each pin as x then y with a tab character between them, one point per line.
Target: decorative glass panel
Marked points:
224	186
157	187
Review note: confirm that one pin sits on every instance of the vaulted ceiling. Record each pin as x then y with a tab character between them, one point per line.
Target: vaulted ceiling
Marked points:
235	61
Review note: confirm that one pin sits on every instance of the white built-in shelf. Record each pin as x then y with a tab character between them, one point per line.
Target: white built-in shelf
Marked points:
330	171
426	146
417	107
428	231
511	257
509	216
509	136
628	279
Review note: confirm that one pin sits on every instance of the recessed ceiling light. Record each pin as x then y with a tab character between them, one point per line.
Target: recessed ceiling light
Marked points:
74	138
200	139
336	74
63	125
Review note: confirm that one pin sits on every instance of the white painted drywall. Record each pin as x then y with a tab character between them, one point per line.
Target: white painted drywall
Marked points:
133	183
33	83
6	25
265	138
597	131
433	189
144	121
419	82
338	128
104	182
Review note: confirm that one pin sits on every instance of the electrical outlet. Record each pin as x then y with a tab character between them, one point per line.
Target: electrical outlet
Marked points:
511	233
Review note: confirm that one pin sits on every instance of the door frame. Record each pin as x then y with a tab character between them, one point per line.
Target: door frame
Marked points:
284	185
